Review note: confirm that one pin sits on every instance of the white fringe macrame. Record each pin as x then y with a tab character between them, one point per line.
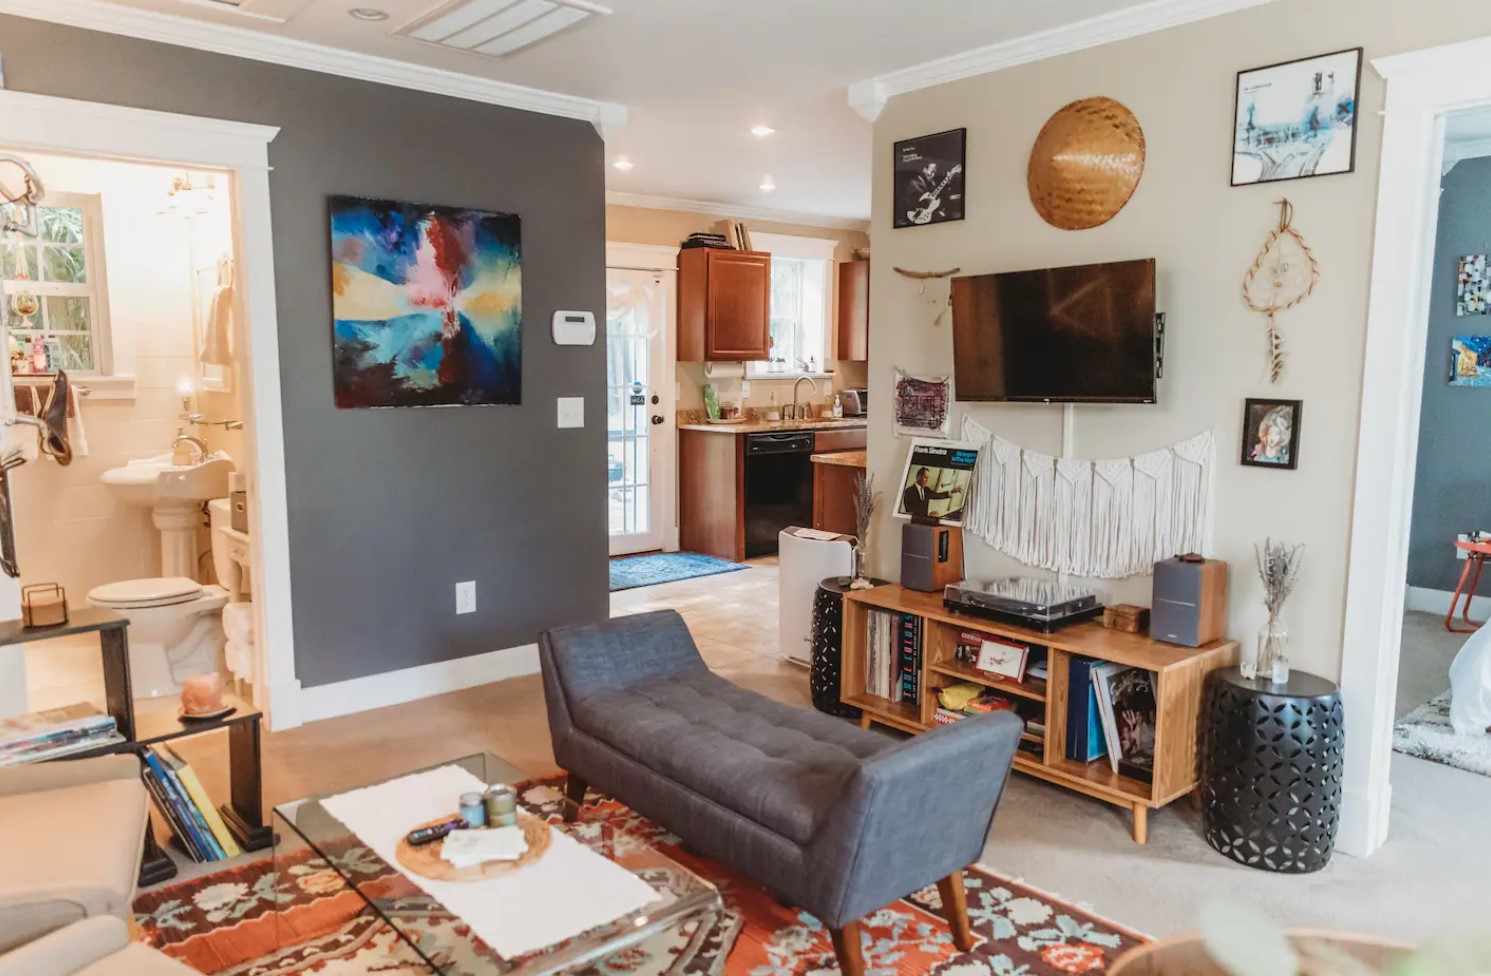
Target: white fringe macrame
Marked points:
1096	519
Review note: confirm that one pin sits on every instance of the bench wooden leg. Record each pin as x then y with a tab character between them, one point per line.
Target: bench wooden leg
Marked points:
847	948
955	909
574	792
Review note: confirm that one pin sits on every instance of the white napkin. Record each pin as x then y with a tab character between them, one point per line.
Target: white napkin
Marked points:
569	890
464	848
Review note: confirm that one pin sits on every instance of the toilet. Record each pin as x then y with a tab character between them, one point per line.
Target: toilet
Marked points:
175	629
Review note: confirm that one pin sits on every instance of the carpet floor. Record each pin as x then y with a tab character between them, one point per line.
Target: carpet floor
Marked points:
254	921
1426	733
666	567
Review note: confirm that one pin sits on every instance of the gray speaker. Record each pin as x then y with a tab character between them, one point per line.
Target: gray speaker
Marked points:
931	556
1190	601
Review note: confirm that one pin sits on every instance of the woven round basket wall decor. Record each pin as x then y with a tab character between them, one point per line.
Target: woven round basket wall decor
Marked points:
1086	164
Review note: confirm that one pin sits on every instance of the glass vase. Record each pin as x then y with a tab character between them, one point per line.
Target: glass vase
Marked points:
1272	662
861	562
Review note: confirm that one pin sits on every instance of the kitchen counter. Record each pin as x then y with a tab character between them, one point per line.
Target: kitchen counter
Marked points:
847	459
774	426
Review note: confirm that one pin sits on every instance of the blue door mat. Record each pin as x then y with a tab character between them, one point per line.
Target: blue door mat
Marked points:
666	567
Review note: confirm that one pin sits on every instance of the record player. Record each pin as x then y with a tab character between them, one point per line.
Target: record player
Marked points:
1043	605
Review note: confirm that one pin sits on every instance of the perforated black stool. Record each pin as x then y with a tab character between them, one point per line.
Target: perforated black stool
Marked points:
828	638
1272	760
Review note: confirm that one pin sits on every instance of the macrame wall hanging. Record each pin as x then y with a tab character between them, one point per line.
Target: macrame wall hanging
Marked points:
1095	519
935	300
1284	274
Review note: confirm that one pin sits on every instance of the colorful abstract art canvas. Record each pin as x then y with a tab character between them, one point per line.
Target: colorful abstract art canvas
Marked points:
1471	286
1470	361
426	304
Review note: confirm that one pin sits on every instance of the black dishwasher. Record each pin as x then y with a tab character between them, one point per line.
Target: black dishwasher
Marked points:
778	487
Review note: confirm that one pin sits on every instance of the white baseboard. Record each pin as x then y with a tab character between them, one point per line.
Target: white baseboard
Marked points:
411	684
1361	833
1438	601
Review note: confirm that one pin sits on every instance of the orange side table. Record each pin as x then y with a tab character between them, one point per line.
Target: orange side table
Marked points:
1470	576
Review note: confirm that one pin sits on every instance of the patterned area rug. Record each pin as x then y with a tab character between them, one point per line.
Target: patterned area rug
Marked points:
666	567
1426	733
249	921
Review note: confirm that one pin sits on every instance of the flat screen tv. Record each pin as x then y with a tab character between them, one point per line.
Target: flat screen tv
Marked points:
1062	335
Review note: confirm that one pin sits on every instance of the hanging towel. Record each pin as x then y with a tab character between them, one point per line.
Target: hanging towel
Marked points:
217	337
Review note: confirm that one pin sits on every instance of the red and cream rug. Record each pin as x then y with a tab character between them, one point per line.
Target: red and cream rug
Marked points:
303	921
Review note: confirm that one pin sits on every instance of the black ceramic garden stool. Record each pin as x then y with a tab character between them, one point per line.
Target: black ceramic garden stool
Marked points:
1271	766
828	637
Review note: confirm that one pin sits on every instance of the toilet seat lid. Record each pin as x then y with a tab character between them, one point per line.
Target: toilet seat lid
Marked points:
141	593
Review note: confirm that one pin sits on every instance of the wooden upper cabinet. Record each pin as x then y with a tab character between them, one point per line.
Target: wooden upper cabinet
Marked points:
724	305
854	310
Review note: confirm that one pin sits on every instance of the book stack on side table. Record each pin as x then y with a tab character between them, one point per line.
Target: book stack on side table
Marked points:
1151	689
55	733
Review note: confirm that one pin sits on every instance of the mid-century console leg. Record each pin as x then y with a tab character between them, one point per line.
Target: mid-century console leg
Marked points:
847	948
574	792
955	909
1141	824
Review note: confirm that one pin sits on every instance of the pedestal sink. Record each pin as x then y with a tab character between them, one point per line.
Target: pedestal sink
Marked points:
174	494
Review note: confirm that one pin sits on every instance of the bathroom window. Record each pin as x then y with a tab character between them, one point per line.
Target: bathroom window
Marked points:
54	286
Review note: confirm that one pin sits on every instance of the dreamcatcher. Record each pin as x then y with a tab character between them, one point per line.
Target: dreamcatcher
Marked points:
1283	275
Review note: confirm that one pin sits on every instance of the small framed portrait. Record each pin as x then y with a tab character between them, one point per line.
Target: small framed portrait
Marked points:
1270	435
929	179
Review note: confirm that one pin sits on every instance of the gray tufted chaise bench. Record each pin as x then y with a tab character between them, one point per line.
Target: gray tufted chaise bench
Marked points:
834	819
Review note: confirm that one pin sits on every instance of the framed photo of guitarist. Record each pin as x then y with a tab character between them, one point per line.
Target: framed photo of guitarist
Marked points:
929	178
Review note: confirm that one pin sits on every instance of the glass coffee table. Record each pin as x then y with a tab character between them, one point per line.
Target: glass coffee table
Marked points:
309	840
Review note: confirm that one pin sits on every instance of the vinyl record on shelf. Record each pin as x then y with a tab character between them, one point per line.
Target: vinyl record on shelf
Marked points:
1086	164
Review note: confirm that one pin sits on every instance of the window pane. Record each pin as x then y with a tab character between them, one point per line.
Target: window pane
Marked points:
65	314
74	352
19	261
63	264
62	225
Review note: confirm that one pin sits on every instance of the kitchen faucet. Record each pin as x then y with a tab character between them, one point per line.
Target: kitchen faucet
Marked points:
793	411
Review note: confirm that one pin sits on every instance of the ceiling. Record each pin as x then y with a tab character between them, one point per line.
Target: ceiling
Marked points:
697	75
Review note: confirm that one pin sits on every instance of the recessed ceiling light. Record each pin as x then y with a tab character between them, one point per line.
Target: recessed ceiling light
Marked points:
767	184
367	13
623	163
762	131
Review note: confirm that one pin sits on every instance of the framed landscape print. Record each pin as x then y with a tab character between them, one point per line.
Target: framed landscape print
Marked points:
929	178
1470	360
1296	119
426	304
1270	435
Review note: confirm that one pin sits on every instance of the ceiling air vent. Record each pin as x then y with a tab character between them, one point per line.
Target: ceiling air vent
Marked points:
498	27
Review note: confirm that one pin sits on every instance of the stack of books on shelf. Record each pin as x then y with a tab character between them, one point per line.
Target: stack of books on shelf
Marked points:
1115	717
893	656
186	807
701	239
55	733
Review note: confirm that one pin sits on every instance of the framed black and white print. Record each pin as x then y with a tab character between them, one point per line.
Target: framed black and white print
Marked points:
929	178
1270	435
1297	119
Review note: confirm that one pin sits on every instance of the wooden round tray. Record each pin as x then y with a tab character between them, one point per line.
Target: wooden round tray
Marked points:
427	863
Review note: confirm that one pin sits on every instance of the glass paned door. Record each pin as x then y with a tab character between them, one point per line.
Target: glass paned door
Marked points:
637	423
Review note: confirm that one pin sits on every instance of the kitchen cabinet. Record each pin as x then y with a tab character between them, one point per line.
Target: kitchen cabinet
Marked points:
854	311
837	478
724	305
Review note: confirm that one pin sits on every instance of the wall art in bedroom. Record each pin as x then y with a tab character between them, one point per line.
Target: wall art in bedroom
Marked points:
1296	119
1470	361
1471	286
427	305
929	178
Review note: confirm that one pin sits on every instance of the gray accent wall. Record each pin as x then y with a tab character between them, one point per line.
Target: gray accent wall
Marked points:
1452	487
389	509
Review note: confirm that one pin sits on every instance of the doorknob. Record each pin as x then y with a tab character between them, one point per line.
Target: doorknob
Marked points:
656	419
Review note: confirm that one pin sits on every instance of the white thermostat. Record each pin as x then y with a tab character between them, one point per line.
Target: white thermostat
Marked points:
574	328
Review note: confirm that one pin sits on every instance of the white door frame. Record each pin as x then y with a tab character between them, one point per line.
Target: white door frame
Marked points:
651	257
42	123
1423	87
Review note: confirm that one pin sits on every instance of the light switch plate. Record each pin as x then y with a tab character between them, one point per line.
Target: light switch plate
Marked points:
466	597
571	411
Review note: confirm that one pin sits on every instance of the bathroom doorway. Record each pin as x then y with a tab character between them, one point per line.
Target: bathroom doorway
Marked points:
175	352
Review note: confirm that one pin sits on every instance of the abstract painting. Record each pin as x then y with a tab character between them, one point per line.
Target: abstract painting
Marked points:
1296	119
1470	361
1471	286
426	305
922	405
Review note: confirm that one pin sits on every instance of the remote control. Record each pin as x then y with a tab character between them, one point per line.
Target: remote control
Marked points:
428	835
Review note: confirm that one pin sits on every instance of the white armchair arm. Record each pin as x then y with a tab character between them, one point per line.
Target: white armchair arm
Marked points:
64	952
36	777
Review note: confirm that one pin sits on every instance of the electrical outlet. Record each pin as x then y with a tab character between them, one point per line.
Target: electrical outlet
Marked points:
1461	553
466	597
571	411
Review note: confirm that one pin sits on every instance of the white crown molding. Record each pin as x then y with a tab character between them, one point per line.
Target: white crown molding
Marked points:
715	209
868	97
260	46
1457	151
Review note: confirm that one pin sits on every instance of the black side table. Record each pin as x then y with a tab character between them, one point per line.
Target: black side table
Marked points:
1272	761
828	637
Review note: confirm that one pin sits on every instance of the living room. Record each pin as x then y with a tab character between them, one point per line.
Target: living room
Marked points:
369	517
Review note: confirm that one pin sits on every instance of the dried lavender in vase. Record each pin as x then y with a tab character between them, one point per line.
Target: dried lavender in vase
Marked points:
1278	569
866	499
